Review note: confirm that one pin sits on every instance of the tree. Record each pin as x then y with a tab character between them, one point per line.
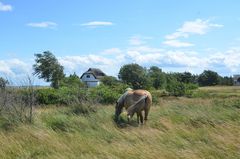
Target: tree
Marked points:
134	75
3	83
208	78
73	81
228	81
48	68
185	77
157	77
109	80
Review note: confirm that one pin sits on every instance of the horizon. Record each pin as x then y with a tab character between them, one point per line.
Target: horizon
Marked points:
176	37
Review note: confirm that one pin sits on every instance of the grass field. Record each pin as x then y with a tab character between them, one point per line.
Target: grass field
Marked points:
221	91
177	128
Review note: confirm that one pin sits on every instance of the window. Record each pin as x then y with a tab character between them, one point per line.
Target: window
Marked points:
88	76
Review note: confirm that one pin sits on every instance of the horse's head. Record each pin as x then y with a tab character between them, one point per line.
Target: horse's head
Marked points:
118	109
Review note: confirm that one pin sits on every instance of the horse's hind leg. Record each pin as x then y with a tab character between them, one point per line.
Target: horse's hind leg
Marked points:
141	117
146	114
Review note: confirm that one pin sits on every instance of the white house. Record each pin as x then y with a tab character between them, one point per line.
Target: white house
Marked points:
92	77
236	80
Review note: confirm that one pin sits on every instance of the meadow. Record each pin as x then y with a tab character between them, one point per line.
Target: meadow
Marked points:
206	125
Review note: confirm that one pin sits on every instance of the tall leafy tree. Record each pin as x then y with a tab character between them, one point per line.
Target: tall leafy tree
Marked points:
185	77
157	77
226	80
48	68
134	75
208	78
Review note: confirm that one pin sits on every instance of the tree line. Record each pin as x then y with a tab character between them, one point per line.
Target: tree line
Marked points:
48	68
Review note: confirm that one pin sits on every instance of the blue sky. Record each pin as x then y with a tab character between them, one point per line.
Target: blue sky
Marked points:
174	35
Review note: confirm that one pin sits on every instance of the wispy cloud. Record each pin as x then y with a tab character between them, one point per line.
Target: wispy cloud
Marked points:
111	51
177	43
196	27
46	24
95	24
5	7
138	40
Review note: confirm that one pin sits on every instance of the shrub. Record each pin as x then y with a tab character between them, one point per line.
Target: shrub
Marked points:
176	88
157	94
181	89
61	96
47	96
109	80
103	94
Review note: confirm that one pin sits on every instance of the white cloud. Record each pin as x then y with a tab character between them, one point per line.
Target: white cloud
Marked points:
111	51
138	40
5	69
228	59
15	70
5	7
177	43
46	24
81	63
165	58
94	24
196	27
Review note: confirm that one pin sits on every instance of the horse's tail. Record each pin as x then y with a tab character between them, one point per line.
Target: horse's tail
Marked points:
136	107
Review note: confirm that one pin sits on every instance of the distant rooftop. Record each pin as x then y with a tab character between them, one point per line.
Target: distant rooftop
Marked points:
97	73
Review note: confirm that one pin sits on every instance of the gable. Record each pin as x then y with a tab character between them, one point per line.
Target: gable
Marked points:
97	73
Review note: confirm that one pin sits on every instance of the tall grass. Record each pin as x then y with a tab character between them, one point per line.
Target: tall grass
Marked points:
177	128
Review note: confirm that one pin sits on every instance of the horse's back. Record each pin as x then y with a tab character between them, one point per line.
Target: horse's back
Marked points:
133	96
141	92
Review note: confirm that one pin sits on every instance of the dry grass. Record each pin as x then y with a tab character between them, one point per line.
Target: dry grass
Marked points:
177	128
222	91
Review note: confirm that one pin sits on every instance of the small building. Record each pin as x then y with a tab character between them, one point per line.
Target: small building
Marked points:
92	77
236	80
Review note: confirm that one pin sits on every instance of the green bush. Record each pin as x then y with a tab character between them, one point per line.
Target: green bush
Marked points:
61	96
176	88
47	96
181	89
103	94
157	94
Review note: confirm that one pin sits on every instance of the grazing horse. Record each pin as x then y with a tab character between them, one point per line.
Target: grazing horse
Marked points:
134	101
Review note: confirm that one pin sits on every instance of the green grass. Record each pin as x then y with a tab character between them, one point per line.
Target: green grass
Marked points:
177	128
219	91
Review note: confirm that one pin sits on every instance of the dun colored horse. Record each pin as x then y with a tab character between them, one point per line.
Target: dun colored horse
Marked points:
134	101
